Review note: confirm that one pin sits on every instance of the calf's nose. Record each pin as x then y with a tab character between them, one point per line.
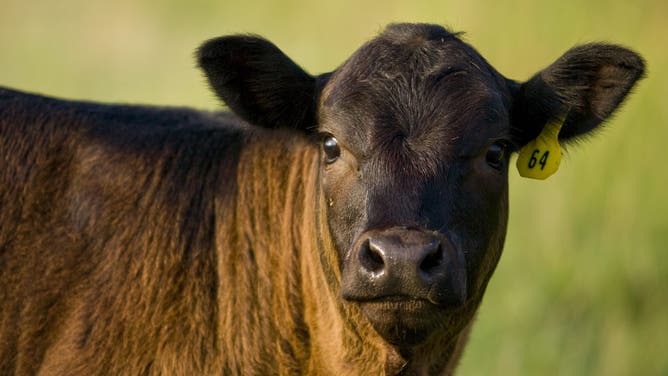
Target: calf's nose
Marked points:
388	257
404	263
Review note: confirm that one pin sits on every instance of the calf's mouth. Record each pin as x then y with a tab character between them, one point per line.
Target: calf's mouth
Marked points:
407	282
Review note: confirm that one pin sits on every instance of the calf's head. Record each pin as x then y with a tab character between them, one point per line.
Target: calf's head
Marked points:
416	130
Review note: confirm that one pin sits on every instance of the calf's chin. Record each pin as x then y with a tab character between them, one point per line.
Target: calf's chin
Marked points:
410	322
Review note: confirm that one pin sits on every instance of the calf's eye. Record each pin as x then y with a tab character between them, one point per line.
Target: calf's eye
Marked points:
331	148
496	154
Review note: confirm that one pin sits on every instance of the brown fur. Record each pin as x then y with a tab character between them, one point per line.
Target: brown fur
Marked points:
109	267
147	241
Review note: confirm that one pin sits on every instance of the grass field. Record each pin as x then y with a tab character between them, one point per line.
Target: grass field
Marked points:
582	288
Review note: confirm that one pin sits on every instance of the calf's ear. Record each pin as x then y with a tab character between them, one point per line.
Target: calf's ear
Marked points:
260	83
587	84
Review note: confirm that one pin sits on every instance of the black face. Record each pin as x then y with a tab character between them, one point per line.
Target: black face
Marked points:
416	131
415	145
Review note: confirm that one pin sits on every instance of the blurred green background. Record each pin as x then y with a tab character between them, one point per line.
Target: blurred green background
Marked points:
582	286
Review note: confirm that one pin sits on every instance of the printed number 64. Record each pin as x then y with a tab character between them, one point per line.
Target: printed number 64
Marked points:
542	161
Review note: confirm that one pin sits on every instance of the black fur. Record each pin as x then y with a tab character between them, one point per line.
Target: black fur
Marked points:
148	240
259	83
589	82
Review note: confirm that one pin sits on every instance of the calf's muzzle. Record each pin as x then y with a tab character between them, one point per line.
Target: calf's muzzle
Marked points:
400	263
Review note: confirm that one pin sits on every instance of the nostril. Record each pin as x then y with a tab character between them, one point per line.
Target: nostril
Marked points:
371	257
433	258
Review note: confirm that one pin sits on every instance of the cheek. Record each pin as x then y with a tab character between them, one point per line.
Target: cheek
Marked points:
345	200
485	219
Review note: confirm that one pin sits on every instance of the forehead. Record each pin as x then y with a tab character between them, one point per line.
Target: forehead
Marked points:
413	81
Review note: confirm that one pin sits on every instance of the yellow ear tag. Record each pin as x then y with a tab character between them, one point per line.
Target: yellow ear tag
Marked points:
540	158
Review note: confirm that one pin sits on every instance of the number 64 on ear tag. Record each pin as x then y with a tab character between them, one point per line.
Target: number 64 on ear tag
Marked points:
540	158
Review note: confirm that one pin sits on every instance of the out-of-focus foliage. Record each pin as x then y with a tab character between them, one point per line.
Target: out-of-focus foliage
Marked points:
582	286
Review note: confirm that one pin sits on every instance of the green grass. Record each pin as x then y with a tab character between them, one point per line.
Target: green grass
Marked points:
582	286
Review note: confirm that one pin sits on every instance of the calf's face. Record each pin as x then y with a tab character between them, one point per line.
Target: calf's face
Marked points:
416	131
416	145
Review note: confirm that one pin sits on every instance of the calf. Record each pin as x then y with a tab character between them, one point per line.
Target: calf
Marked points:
341	224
